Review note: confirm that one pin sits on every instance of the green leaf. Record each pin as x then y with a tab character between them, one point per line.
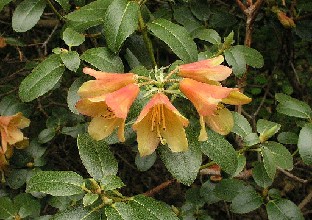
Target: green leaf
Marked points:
72	96
119	211
144	163
275	155
137	49
241	163
75	130
65	4
56	183
267	129
305	144
292	107
194	197
148	208
220	151
246	201
121	20
241	125
27	205
207	192
89	15
287	138
176	37
209	35
46	135
72	38
111	183
253	57
103	59
77	213
183	15
10	105
7	209
89	199
283	209
16	178
184	166
236	59
228	189
260	175
27	14
3	3
96	157
71	60
42	79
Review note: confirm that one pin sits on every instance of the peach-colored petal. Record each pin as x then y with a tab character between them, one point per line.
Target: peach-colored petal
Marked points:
221	121
108	77
205	97
174	133
93	109
203	136
206	70
100	128
121	100
236	98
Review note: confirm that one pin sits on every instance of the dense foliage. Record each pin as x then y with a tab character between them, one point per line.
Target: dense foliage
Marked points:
117	109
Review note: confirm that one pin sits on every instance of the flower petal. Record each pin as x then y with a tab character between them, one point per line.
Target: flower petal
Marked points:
99	75
205	97
146	138
100	128
121	100
236	98
221	121
174	133
93	109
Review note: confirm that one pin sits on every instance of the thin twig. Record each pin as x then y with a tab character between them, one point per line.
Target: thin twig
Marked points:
159	187
292	176
305	201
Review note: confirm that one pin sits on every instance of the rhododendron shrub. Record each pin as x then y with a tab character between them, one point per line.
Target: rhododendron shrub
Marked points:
134	110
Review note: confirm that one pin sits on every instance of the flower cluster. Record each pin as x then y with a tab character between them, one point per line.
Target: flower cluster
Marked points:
108	98
10	135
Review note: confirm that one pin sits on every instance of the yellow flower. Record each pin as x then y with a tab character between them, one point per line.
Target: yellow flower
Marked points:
158	122
206	70
10	130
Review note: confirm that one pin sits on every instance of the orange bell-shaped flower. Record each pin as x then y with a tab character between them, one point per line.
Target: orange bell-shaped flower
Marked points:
158	122
206	70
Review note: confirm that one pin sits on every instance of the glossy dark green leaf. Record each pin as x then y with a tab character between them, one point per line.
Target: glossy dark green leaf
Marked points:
184	16
260	175
207	192
236	60
253	57
208	35
121	20
144	163
7	209
46	135
77	213
287	138
65	4
119	211
27	205
72	37
305	144
27	14
176	37
42	79
56	183
10	105
111	182
228	189
17	178
71	60
218	149
283	209
241	125
246	201
96	157
72	96
103	59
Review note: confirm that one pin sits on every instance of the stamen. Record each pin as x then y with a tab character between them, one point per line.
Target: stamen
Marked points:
163	117
153	118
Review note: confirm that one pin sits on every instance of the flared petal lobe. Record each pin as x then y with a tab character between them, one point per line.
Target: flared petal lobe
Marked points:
158	122
204	97
206	70
221	121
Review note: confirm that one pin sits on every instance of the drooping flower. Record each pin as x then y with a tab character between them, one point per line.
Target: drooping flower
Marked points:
109	111
10	128
207	100
158	122
206	70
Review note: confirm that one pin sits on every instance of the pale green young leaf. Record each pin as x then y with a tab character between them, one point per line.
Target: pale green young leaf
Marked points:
305	144
103	59
176	37
89	199
71	60
96	157
7	209
120	21
267	129
42	79
27	14
148	208
283	209
111	182
218	149
72	38
246	201
236	60
56	183
260	175
120	211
